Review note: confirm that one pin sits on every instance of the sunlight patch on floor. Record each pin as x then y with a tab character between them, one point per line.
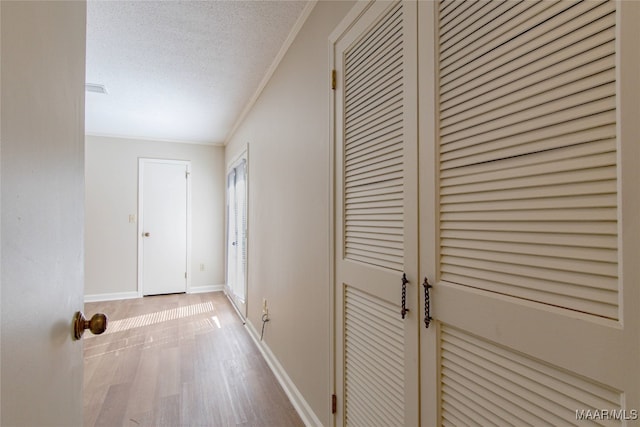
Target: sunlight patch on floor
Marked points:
159	317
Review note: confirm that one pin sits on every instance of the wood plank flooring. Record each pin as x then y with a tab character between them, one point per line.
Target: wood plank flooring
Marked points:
178	360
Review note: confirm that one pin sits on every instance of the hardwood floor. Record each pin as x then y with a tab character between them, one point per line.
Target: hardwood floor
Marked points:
178	360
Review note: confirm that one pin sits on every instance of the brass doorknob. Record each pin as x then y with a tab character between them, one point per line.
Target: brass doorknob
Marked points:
97	324
147	234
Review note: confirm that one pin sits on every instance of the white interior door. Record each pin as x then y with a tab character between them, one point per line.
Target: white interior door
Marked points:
163	226
376	216
237	235
43	72
529	205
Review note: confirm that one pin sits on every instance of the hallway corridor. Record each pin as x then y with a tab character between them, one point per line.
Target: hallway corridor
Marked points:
178	360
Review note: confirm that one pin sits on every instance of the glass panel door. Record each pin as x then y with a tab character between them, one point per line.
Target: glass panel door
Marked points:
237	235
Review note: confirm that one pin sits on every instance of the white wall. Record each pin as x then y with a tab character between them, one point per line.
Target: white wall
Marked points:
288	133
111	195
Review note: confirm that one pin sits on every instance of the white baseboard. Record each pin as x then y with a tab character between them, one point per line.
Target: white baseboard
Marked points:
299	403
207	288
111	296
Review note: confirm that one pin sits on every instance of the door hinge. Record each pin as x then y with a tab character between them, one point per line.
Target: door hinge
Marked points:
186	174
185	274
334	80
334	403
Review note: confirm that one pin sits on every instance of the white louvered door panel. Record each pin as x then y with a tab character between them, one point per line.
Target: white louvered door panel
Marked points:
529	220
376	216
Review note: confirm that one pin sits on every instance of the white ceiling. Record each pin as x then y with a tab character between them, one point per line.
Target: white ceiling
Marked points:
180	70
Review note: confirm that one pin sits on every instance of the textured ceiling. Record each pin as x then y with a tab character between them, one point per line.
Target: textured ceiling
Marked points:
179	70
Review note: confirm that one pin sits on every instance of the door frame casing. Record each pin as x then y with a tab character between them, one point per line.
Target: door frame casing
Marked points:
141	162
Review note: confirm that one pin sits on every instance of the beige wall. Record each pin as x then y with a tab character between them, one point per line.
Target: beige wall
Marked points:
111	195
288	136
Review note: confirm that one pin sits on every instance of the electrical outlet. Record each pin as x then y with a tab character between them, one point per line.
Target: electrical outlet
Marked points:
132	219
265	309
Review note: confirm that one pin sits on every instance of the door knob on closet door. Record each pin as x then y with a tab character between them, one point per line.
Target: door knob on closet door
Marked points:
97	324
147	234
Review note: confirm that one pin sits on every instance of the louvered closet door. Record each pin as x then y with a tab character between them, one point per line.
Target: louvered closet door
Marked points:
376	217
529	212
